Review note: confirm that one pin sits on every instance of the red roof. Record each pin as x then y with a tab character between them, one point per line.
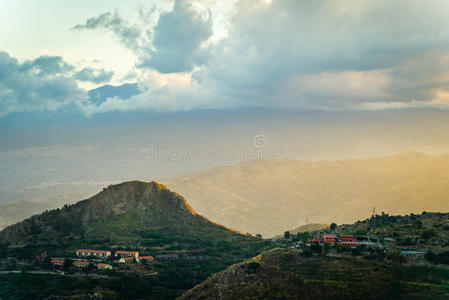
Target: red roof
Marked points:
92	251
147	257
126	252
57	261
329	236
102	265
128	258
80	262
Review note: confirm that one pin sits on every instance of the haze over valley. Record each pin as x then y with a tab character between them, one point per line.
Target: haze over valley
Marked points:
222	150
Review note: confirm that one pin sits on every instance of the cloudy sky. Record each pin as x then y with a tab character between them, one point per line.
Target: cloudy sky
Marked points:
104	91
185	55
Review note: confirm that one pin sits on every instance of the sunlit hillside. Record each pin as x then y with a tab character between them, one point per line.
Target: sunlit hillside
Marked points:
270	198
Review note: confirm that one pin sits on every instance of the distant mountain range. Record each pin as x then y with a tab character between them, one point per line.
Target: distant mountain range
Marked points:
270	198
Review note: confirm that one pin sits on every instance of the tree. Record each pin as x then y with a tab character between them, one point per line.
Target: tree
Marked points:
333	226
428	234
396	258
304	236
68	263
287	235
307	253
431	257
325	248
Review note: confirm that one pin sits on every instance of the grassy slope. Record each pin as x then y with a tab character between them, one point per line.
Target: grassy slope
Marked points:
285	274
153	226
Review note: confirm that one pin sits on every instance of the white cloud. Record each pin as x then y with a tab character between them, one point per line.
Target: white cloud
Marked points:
284	53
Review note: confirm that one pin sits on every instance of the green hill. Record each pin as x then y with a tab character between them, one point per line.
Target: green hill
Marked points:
128	214
286	274
142	216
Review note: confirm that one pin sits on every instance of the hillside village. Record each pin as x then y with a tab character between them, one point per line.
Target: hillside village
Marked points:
417	239
104	260
158	242
414	239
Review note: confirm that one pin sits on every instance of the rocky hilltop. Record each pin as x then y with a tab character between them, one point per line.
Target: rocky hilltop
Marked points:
119	211
133	216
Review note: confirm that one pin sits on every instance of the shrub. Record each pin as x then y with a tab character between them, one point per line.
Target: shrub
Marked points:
253	266
427	234
307	253
431	257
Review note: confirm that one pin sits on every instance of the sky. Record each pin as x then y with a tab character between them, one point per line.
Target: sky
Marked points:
186	55
87	88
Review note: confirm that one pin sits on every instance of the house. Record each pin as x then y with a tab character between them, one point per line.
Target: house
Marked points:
370	244
80	264
96	253
330	239
167	257
57	262
103	266
146	258
134	254
128	260
348	241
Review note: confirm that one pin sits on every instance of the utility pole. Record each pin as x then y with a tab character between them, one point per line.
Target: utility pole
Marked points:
373	218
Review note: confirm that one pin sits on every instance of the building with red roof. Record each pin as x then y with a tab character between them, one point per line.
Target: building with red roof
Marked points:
57	262
80	264
128	260
134	254
348	241
147	258
330	239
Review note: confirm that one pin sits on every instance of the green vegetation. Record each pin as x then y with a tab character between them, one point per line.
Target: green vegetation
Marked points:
438	258
287	274
152	220
132	216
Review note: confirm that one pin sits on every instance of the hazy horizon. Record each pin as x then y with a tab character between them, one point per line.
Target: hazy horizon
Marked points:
104	92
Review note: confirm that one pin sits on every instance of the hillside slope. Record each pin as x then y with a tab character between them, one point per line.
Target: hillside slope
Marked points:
270	198
128	214
285	274
137	216
15	211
